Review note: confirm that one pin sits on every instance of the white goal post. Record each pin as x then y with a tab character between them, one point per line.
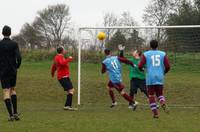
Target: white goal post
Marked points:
81	29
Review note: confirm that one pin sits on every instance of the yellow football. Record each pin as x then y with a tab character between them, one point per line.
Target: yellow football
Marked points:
101	36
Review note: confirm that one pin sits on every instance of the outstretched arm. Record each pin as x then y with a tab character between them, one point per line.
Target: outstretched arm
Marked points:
124	60
63	61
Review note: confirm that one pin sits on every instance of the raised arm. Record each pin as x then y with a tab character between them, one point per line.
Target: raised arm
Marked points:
121	50
121	53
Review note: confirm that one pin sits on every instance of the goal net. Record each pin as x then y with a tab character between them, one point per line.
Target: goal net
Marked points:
181	43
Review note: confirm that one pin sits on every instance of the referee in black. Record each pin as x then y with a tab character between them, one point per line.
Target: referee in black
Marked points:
10	61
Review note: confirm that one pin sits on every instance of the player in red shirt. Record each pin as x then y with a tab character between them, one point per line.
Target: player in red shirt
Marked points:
61	65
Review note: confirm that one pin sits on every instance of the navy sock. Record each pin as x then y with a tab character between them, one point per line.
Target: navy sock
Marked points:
69	100
9	106
14	103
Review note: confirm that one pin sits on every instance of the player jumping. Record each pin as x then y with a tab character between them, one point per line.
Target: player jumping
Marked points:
157	65
112	64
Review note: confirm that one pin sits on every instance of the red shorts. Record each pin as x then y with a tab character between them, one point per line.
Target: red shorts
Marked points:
155	89
118	86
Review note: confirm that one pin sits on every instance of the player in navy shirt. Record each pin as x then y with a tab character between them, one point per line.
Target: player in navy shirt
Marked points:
112	64
157	65
10	61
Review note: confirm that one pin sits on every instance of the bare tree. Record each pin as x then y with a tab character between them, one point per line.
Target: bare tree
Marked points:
52	22
158	11
127	20
21	41
109	20
31	36
197	5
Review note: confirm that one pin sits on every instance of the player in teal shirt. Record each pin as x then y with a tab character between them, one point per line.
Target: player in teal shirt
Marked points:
157	65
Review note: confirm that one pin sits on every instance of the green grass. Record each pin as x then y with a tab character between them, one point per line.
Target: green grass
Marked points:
41	99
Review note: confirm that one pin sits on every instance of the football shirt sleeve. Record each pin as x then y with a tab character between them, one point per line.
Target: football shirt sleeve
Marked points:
166	63
142	63
18	56
124	60
103	69
69	59
62	61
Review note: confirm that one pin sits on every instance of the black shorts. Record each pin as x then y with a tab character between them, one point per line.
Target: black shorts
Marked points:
66	83
136	83
8	82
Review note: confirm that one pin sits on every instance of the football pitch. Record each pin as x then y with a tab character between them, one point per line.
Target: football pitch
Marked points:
41	102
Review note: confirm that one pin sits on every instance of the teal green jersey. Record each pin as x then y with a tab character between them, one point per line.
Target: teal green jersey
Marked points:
134	72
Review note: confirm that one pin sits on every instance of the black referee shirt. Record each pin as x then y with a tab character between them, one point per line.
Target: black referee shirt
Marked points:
10	58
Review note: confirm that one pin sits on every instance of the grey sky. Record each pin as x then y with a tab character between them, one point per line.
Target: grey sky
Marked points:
83	12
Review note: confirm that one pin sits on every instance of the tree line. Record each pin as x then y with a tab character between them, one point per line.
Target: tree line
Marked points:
161	13
52	27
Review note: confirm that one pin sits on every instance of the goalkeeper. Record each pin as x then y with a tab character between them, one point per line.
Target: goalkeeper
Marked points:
137	77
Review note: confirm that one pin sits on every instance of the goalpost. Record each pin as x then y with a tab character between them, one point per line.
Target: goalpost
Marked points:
175	39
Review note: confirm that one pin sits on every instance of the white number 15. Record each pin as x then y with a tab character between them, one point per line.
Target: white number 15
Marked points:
155	60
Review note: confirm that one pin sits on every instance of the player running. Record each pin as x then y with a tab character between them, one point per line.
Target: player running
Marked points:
61	64
137	77
112	64
157	66
10	61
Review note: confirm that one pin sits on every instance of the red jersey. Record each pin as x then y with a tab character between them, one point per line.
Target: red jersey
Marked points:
61	65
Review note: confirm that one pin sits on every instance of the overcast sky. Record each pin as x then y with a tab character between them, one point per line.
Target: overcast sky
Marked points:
83	12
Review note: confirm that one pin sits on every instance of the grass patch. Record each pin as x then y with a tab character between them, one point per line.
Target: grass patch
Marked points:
41	100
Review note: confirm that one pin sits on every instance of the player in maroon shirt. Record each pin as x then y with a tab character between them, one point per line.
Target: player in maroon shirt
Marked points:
61	65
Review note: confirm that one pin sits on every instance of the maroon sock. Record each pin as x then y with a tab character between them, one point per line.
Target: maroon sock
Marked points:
132	97
161	99
112	95
153	105
127	97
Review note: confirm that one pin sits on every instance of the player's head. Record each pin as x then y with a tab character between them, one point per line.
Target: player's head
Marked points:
60	50
6	31
136	53
154	44
107	52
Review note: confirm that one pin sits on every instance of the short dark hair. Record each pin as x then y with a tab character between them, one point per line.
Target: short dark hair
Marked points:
6	31
107	51
154	44
60	50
